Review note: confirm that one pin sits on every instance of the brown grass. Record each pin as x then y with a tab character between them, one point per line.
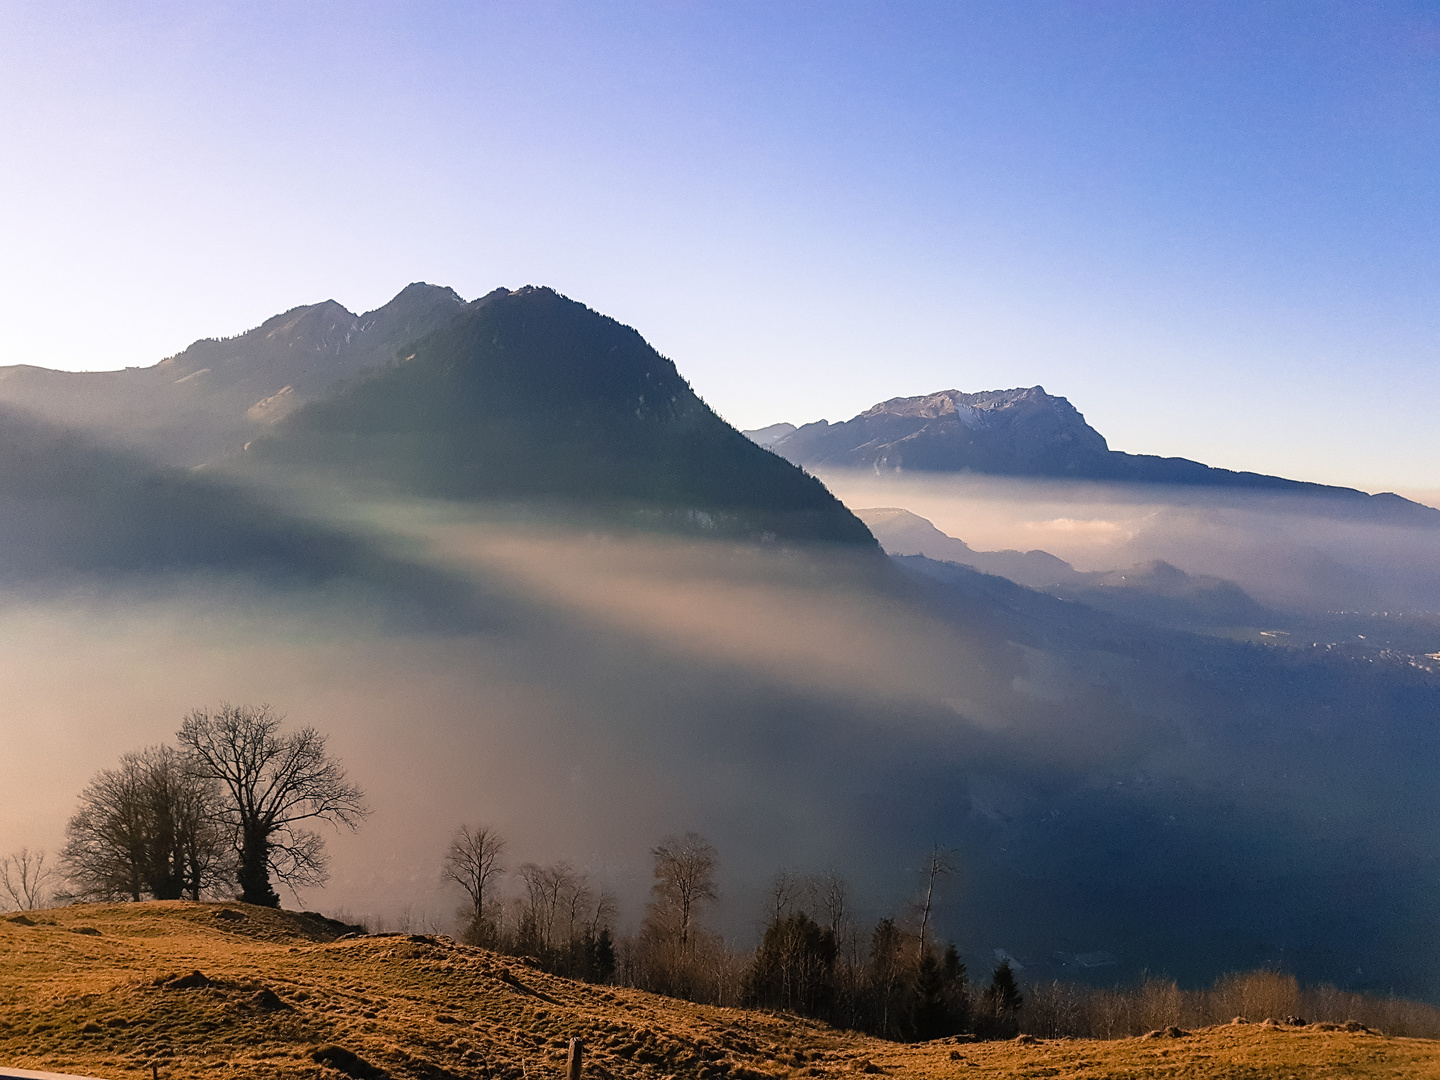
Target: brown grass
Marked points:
1057	1009
111	991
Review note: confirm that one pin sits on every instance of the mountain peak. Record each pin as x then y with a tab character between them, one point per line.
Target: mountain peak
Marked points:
315	324
1022	431
967	408
205	401
1028	432
533	395
416	296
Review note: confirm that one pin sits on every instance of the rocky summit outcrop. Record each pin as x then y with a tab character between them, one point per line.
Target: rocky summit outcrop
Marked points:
209	400
1023	432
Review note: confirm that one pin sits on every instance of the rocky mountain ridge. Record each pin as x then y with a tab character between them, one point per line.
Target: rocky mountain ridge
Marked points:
519	394
1023	432
208	400
528	394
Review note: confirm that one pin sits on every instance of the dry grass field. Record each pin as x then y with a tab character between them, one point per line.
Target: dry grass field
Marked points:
182	990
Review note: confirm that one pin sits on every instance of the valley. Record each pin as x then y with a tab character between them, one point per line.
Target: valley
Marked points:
521	573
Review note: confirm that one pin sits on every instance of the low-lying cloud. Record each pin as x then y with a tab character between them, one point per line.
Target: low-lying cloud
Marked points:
1294	552
588	691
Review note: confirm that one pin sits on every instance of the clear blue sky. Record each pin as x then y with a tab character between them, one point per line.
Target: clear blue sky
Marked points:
1214	227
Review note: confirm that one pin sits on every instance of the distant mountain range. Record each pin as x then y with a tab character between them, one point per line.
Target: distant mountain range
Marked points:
1154	591
518	395
902	533
1021	432
1112	762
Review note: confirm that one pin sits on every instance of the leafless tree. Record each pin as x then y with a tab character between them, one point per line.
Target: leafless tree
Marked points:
833	895
601	914
684	882
787	890
150	826
940	864
26	879
576	903
472	862
274	784
105	847
548	890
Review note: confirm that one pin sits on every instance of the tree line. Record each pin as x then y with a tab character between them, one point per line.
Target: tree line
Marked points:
558	920
1062	1009
893	980
229	811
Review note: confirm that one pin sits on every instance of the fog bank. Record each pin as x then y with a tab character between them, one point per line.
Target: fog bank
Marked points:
1293	552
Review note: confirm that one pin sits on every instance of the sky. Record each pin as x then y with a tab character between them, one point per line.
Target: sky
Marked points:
1214	227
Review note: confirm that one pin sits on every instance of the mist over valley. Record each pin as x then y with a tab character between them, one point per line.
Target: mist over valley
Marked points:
520	572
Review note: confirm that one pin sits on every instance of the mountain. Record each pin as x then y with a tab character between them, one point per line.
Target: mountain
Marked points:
1156	591
1023	432
200	404
514	396
1153	591
70	505
902	533
1020	432
528	395
769	436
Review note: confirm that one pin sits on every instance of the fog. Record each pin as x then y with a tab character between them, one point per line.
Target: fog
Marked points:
585	695
1187	806
1293	552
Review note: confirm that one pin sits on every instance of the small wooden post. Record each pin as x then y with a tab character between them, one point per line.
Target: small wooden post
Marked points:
574	1062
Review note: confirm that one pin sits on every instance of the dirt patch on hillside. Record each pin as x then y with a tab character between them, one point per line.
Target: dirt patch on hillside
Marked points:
221	990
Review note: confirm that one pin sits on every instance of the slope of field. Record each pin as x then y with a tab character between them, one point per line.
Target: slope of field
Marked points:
182	990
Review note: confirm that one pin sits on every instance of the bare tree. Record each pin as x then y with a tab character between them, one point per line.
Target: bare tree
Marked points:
26	879
787	890
576	900
684	882
940	864
274	784
150	826
105	847
833	893
547	893
601	914
472	862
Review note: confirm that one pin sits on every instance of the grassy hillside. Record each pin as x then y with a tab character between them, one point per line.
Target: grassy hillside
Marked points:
113	991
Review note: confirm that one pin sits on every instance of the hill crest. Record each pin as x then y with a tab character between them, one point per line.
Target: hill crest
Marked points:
196	990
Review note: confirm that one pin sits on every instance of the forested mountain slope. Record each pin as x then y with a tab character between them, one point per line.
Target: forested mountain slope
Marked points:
531	395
